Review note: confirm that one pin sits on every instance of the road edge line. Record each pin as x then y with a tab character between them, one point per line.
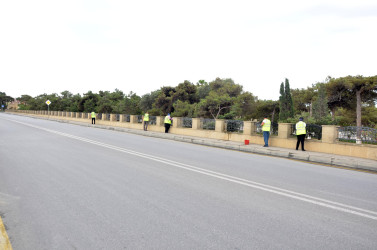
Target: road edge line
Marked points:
4	239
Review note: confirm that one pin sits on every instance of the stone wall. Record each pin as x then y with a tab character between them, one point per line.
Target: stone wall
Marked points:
328	144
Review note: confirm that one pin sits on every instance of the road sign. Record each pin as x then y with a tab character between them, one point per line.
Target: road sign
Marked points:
48	102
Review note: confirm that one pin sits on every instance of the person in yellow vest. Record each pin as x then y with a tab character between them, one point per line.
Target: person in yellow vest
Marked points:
301	133
167	123
266	127
146	121
93	117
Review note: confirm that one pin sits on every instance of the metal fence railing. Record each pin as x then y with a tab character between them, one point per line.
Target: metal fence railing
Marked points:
274	128
187	122
208	124
273	131
99	116
313	131
234	126
126	118
139	119
152	120
117	117
107	117
353	133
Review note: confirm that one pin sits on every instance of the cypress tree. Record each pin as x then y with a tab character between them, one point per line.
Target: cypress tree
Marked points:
285	101
282	113
288	98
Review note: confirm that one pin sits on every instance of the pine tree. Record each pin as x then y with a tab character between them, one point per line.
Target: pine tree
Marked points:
320	106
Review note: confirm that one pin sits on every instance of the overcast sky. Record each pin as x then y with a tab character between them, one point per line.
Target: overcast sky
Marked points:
51	46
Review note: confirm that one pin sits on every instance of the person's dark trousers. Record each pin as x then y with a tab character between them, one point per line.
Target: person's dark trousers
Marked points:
266	136
167	126
93	120
300	139
146	125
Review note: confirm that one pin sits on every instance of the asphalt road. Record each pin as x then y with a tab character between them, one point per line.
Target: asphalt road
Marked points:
64	186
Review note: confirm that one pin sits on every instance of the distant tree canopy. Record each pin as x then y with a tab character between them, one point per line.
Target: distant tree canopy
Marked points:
4	99
347	100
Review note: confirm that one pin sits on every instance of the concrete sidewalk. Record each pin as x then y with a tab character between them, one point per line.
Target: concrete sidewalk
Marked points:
315	157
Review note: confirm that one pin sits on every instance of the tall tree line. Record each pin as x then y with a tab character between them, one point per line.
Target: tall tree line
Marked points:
347	100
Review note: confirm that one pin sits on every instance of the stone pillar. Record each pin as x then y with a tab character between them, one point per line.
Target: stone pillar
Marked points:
113	117
160	120
122	118
220	125
178	122
248	128
329	133
133	119
285	130
196	123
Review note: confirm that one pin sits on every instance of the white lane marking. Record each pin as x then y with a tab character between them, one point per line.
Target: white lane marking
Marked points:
280	191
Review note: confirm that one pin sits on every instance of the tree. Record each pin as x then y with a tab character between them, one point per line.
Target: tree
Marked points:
147	100
244	106
285	101
320	108
4	99
185	91
164	101
338	95
89	102
184	109
203	89
303	100
221	97
24	99
214	105
131	104
365	89
267	108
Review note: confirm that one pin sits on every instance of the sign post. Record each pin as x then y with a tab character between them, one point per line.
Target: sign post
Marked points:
48	108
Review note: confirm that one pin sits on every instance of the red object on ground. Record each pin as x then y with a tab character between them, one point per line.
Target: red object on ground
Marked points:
247	142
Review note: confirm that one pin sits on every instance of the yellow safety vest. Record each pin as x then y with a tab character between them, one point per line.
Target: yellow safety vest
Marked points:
146	117
93	115
267	125
300	128
167	120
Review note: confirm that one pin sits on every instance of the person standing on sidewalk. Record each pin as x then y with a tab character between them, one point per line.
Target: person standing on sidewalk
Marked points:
167	123
93	117
301	133
266	127
146	121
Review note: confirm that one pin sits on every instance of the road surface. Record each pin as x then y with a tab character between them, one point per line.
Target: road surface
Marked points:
65	186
